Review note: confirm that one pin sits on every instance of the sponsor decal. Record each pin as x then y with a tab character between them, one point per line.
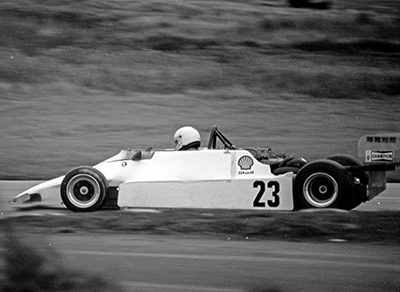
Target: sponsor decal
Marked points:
245	163
373	156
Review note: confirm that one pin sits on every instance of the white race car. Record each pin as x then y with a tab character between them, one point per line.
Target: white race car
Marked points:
220	176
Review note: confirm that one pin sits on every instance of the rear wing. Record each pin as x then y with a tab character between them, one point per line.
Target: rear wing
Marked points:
381	149
380	153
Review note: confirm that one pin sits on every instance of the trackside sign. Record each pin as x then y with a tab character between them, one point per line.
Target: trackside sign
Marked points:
376	156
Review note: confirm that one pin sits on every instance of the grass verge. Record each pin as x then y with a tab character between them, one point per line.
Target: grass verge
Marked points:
319	226
31	269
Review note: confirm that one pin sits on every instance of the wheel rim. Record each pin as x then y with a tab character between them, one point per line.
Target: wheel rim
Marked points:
83	191
320	190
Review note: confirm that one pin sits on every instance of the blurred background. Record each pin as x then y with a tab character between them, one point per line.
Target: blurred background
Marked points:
80	80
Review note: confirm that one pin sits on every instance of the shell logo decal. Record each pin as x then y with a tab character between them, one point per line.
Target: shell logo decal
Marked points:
245	162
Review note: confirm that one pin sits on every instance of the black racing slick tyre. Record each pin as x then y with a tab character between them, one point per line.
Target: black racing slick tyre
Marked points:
84	189
360	179
322	184
349	161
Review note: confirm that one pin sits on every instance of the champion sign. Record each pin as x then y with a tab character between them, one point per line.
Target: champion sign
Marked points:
373	156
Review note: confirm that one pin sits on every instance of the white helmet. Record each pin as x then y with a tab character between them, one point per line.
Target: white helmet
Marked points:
187	137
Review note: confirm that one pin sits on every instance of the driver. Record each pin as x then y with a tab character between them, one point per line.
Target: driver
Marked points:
187	138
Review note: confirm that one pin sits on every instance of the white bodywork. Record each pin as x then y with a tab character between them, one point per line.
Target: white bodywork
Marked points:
206	178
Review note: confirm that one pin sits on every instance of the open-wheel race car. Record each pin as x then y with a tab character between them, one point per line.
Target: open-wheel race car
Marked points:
219	176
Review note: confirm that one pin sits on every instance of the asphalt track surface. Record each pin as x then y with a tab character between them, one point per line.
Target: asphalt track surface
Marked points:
171	263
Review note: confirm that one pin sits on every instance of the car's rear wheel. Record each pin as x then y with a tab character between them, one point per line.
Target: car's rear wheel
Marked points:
349	161
360	179
84	189
322	184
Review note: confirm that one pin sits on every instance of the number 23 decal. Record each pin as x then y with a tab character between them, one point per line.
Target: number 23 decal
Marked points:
274	185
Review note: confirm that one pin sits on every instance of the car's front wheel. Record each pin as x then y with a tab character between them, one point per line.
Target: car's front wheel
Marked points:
322	184
84	189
